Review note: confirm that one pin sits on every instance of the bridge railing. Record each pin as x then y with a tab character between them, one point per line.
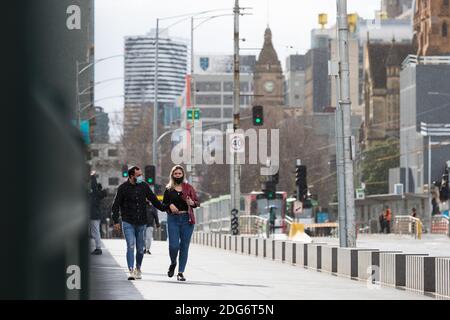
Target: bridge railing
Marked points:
408	225
253	225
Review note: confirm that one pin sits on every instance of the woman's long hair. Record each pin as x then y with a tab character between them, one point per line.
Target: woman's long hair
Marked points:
171	183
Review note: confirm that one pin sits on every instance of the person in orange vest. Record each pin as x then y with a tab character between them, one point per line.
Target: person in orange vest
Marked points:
387	219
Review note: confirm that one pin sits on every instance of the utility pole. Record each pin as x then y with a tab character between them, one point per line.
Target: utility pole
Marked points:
345	107
155	106
192	131
235	179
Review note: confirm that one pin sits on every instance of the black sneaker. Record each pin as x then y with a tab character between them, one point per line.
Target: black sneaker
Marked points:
180	277
171	270
97	252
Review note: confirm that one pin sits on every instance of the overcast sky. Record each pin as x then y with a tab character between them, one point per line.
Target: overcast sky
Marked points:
290	20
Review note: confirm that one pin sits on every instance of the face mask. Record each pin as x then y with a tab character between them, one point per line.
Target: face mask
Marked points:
140	179
178	180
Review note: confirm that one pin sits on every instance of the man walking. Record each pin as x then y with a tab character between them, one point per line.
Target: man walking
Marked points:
96	194
152	221
131	200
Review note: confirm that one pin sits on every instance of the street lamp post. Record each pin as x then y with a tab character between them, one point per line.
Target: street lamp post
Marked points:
155	111
192	167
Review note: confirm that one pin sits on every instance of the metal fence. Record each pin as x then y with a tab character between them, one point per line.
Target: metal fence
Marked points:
439	224
408	225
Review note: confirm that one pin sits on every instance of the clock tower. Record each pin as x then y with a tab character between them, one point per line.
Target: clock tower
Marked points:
268	76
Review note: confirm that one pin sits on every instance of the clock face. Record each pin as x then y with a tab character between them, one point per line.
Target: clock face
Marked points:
269	86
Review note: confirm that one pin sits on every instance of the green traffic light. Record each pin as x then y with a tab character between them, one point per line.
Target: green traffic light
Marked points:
150	180
125	175
258	120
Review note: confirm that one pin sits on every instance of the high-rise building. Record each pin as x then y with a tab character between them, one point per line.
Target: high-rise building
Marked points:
382	64
431	27
140	62
295	81
140	56
317	82
395	8
213	86
101	130
424	99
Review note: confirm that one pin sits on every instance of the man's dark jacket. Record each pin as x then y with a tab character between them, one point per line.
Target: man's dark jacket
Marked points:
95	197
131	201
152	217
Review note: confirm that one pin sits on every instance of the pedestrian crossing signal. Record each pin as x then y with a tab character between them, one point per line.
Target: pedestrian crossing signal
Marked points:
193	114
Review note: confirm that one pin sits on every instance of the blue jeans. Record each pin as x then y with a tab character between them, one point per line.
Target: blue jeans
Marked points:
135	237
179	232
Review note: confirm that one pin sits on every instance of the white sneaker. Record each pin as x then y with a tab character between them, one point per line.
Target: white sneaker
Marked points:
138	273
131	275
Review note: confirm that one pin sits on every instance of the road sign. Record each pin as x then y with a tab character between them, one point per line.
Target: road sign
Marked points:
237	143
360	194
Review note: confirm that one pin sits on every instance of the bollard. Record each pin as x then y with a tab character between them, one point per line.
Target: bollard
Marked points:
421	274
314	254
348	262
301	255
270	249
254	243
289	252
329	259
279	250
393	268
442	274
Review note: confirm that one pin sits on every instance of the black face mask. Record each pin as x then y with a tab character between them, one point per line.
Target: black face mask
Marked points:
178	180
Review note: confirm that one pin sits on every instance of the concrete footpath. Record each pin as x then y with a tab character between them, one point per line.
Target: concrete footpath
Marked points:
216	274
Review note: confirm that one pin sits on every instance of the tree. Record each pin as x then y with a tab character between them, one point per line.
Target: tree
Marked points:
375	164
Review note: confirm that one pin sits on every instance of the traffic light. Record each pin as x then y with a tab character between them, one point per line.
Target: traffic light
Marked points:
300	182
275	178
269	189
150	175
125	171
258	115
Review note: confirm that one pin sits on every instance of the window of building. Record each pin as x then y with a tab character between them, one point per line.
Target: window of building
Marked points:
94	153
113	181
228	86
228	100
210	112
446	3
227	112
112	153
208	86
445	30
208	99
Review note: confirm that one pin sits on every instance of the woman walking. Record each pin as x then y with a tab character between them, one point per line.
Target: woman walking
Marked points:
181	198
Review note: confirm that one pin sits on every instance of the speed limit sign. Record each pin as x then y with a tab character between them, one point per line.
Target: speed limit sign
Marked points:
237	143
